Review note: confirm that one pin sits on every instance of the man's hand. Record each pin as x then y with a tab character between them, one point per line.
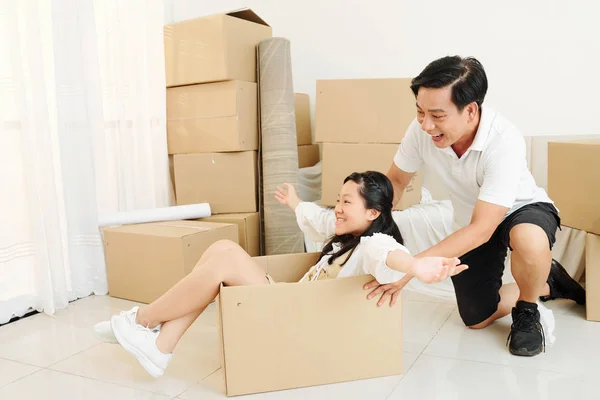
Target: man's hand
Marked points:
391	290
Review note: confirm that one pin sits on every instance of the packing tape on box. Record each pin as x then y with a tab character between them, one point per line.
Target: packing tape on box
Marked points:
190	211
279	145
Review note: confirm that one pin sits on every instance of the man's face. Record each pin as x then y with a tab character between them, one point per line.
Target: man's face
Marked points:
440	118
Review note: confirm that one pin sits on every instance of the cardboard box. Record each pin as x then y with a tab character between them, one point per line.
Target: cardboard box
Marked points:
213	117
308	155
302	110
574	183
592	277
363	110
342	159
304	334
248	229
215	48
227	181
143	261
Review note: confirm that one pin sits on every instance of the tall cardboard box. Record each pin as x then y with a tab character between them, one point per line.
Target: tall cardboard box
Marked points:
302	110
227	181
592	277
342	159
214	48
304	334
363	110
248	229
213	117
574	183
143	261
308	155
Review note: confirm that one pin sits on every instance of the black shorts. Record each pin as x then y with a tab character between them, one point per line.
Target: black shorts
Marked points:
477	288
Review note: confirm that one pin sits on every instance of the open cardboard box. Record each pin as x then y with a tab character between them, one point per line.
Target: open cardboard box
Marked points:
289	335
214	48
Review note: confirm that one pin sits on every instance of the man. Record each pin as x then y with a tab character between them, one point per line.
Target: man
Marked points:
480	156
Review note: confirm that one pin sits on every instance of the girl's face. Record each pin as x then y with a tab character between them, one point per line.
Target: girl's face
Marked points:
352	217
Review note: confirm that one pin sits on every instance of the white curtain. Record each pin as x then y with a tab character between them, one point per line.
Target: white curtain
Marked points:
82	131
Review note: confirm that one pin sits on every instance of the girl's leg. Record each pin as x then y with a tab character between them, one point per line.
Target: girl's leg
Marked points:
224	262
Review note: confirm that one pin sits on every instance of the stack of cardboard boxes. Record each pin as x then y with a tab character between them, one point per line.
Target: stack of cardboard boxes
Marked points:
308	152
574	186
360	123
212	116
212	134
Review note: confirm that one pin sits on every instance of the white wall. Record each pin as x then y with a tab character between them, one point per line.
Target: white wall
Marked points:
541	56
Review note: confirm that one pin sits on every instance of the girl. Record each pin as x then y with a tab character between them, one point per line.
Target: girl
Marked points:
363	240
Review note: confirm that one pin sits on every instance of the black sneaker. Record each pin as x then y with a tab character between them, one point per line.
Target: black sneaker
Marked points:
562	286
526	333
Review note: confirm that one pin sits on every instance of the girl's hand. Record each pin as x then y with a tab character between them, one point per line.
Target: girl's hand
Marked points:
287	196
436	269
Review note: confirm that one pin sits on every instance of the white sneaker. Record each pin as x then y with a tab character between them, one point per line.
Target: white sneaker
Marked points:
104	332
140	341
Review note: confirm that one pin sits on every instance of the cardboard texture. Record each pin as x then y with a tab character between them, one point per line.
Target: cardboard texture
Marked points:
342	159
143	261
248	229
213	117
592	277
304	334
574	183
227	181
363	110
302	110
172	176
308	155
215	48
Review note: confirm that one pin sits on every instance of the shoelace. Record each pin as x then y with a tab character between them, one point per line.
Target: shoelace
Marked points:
131	317
527	322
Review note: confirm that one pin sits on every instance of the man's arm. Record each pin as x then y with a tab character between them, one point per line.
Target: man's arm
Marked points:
486	218
400	179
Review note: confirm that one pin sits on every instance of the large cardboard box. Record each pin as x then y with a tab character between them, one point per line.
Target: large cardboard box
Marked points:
304	334
248	229
574	183
363	110
308	155
143	261
214	48
342	159
302	110
213	117
592	277
227	181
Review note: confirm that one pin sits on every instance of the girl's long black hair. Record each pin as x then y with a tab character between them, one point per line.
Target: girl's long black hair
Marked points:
378	193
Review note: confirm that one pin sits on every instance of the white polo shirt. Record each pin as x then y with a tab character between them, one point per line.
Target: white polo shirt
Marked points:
494	169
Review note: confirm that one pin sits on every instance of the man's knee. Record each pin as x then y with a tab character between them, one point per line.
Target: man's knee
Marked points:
481	325
530	242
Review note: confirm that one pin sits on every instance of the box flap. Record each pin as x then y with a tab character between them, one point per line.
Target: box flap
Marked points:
288	267
248	15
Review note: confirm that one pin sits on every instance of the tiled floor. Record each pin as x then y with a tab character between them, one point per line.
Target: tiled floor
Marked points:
58	357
